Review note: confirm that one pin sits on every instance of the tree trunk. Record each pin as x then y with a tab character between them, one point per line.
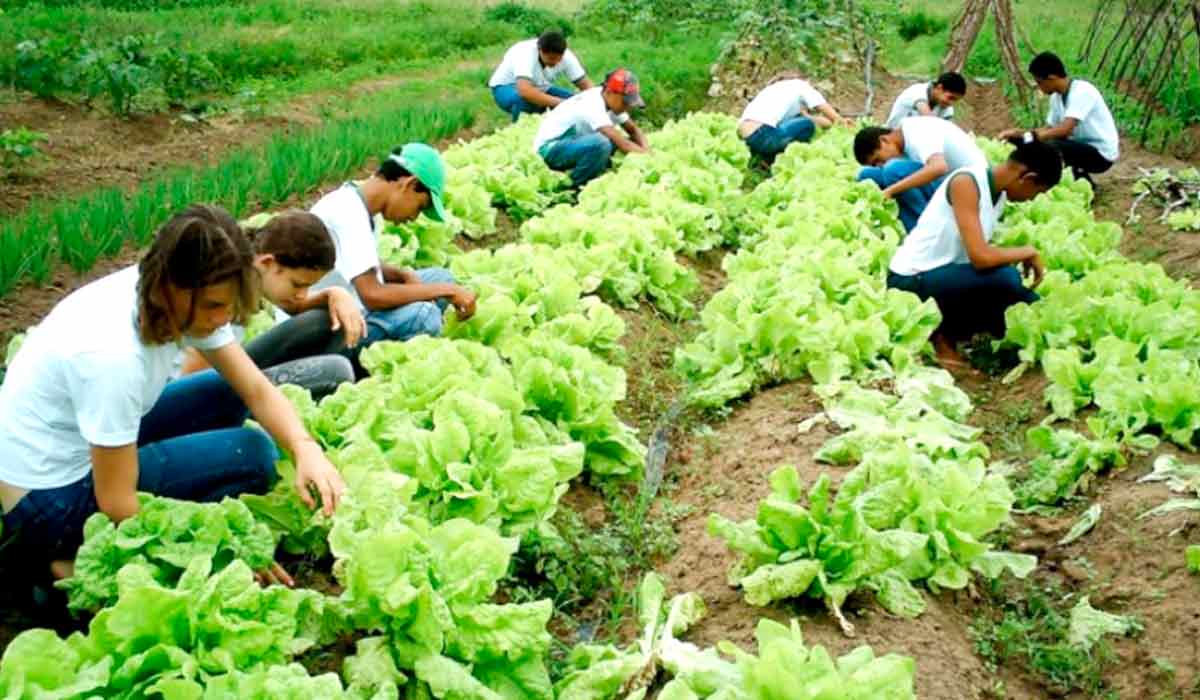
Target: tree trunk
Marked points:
1116	36
1005	26
966	30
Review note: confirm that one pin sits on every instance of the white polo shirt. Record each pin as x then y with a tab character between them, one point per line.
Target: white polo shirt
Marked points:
781	101
576	116
522	60
925	137
906	105
1096	127
83	377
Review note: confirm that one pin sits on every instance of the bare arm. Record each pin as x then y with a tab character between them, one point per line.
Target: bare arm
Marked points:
964	198
399	275
1061	130
531	94
270	408
584	83
832	115
934	168
622	141
382	296
115	475
193	362
636	134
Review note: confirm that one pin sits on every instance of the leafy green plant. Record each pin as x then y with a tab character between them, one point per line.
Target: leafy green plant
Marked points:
532	20
20	146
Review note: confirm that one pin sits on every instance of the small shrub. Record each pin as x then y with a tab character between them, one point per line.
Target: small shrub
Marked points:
918	23
532	20
19	146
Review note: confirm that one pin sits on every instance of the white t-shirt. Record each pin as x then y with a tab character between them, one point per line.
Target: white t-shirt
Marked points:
906	105
345	214
239	334
925	137
1096	127
781	101
935	240
579	115
83	377
523	61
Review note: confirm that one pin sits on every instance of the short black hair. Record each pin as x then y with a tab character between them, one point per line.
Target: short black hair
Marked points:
553	42
391	171
954	82
1041	159
867	141
1047	65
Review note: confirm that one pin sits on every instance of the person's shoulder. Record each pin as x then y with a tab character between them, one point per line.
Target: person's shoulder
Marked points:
336	205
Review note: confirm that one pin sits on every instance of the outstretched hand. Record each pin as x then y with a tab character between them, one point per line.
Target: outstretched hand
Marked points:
314	472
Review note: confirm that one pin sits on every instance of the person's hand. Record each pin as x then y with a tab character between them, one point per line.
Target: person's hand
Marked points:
276	574
846	121
464	302
345	316
1010	134
1034	266
888	193
314	472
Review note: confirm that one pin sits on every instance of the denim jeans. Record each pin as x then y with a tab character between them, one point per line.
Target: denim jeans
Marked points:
585	156
912	201
410	320
971	301
510	101
191	446
769	141
305	351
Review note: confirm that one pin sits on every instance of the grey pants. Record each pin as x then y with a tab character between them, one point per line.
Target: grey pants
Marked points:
305	352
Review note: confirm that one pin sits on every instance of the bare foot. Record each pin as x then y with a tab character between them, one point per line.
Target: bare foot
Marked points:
948	355
63	568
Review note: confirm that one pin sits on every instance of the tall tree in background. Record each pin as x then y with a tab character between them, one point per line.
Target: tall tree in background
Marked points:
966	30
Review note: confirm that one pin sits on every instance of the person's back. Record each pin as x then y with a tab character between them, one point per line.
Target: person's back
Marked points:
925	137
935	240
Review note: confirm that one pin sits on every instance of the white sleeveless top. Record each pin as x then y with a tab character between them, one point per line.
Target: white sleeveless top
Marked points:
935	240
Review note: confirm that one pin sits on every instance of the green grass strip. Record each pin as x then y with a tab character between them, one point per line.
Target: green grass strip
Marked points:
81	231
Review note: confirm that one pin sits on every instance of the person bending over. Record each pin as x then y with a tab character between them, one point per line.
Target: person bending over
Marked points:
523	83
90	418
782	114
580	134
908	162
398	304
292	252
933	99
949	256
1079	123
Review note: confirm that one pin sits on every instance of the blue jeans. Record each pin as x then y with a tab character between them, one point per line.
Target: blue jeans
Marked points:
585	156
410	320
971	301
191	446
769	141
510	101
913	201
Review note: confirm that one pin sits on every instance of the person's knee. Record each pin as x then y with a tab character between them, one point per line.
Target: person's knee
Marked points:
428	320
257	454
338	369
599	146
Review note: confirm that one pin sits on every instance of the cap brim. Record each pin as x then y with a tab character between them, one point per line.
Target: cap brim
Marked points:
635	101
437	211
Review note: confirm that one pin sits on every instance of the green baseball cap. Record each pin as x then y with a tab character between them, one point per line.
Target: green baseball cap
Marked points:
425	164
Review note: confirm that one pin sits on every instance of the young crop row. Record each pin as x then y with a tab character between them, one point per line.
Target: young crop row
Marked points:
806	297
79	232
452	450
1109	333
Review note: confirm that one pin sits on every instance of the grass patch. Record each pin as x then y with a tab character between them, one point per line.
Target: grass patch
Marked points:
1029	630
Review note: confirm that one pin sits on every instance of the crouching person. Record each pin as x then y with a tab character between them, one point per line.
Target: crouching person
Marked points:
398	304
580	134
783	113
949	256
90	418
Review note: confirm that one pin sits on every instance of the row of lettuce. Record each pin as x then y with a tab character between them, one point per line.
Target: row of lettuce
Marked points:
453	450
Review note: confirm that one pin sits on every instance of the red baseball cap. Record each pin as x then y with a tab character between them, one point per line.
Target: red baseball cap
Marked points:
624	82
